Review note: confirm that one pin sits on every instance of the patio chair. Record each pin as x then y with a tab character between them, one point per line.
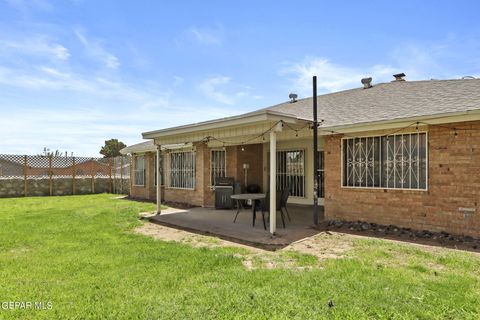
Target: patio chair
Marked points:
283	201
265	205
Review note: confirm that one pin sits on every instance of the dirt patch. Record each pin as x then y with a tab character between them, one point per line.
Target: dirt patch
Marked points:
19	252
300	255
171	234
325	245
305	254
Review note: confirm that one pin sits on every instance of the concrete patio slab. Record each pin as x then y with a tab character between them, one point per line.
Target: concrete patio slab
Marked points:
220	223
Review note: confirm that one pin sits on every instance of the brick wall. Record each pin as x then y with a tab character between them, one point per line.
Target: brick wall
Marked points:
251	154
149	191
453	183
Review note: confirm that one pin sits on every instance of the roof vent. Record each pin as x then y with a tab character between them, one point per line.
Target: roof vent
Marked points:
293	97
367	83
399	76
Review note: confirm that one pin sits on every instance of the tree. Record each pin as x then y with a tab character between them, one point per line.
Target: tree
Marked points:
112	148
57	153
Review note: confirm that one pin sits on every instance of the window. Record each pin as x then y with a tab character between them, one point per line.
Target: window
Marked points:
162	176
395	161
217	165
182	170
291	171
139	171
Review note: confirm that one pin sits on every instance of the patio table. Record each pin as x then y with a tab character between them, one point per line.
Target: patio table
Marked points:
249	196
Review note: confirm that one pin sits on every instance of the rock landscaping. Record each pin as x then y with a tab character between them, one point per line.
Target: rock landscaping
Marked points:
395	231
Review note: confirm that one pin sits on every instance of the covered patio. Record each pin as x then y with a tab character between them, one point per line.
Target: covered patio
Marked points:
220	223
266	148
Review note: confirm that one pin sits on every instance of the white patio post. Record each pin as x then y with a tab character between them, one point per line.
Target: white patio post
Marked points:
273	178
159	181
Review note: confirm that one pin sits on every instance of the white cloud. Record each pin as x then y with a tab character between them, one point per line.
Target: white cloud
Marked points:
330	77
177	81
221	89
53	72
38	45
82	130
95	49
85	110
44	78
210	88
419	61
207	36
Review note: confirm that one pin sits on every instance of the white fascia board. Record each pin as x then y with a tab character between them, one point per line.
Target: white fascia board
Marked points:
244	119
443	118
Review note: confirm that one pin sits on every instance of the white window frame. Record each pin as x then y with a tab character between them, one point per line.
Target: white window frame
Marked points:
342	158
215	170
185	174
135	171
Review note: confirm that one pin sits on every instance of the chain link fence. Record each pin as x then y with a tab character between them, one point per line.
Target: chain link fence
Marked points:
23	175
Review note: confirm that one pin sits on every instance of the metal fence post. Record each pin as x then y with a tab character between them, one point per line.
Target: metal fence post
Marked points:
114	174
121	175
110	175
93	175
73	175
25	177
50	174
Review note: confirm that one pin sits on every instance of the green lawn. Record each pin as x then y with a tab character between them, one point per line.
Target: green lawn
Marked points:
79	253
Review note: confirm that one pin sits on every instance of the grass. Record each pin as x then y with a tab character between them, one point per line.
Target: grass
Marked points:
79	253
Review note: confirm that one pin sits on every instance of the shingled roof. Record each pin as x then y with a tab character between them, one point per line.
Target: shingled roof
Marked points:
394	101
389	101
147	146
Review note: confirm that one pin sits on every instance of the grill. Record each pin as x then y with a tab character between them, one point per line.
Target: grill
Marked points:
223	191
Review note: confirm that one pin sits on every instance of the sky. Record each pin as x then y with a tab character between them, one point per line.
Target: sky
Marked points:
74	73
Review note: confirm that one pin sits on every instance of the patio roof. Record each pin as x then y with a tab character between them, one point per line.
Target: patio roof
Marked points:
239	120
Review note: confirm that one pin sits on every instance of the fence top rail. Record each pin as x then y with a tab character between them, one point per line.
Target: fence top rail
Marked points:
16	165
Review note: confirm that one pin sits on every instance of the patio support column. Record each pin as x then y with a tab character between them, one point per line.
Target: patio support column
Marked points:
159	181
273	178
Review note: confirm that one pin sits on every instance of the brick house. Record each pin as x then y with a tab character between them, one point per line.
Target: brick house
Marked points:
405	153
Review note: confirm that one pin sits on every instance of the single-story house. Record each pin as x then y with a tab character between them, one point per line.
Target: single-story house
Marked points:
405	153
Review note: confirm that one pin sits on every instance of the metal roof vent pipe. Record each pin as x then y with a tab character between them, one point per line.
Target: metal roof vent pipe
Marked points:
367	83
399	77
293	97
